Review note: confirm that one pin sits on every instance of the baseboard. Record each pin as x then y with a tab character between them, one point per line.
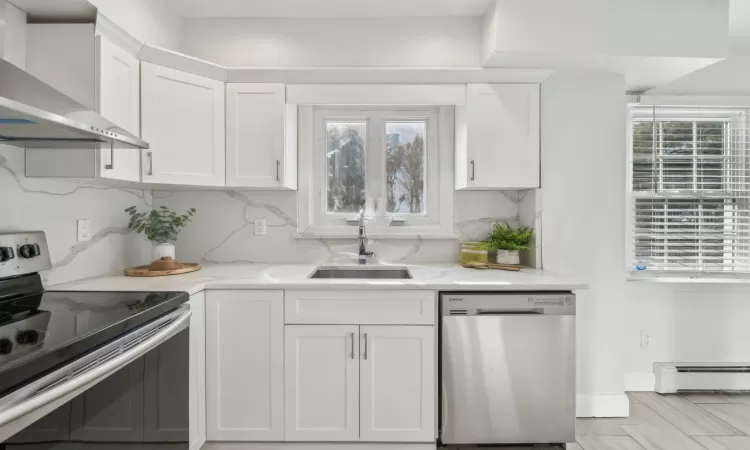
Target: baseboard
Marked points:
316	446
639	382
602	405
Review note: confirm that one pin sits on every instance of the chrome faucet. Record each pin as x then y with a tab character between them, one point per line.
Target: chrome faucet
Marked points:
362	236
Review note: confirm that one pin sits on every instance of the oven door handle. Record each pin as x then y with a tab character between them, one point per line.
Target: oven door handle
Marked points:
39	393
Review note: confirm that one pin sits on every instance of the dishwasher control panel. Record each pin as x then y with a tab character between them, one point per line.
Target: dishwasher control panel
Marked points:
479	303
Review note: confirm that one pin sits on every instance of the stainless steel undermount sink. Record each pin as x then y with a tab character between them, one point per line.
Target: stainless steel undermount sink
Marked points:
364	272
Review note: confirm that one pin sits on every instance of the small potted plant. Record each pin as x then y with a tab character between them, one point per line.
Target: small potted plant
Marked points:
161	227
508	241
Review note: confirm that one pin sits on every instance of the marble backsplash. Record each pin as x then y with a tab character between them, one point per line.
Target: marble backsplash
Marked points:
223	229
54	206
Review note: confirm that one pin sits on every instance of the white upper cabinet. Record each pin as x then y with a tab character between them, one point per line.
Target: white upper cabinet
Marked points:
245	365
261	136
101	75
397	388
497	137
182	118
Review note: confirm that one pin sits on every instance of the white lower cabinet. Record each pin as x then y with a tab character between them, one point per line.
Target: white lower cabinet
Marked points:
352	383
397	384
322	383
245	365
197	368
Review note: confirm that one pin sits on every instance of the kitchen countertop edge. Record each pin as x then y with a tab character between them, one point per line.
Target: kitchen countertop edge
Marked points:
434	277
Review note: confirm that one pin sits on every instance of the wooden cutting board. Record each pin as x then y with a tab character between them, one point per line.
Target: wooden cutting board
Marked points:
145	271
476	265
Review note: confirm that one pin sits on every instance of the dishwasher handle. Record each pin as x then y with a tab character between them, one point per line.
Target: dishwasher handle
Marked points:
508	312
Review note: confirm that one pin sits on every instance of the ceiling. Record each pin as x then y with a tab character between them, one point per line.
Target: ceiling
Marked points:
40	10
327	9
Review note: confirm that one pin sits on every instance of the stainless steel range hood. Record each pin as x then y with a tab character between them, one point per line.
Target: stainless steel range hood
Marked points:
35	115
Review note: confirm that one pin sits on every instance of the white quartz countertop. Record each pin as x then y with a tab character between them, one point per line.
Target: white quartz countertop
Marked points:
445	277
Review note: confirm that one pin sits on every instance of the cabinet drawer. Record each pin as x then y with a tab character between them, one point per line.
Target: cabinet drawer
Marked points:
381	307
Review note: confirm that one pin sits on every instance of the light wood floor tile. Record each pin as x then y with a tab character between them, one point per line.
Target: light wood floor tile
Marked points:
592	442
602	427
573	446
685	415
711	398
724	442
652	437
744	398
736	415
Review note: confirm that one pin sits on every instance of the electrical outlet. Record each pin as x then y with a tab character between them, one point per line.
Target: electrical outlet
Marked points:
645	339
260	227
84	230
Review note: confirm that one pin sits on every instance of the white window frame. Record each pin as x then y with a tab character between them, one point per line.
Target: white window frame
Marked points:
438	219
677	115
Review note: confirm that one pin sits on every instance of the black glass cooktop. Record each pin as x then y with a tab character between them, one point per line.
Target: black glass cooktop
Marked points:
41	331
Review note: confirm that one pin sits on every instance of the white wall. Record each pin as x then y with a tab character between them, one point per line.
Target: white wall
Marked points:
54	206
583	215
149	21
607	27
334	42
12	34
687	323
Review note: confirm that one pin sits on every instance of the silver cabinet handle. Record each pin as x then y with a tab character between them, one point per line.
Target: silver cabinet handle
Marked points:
351	336
111	164
472	170
278	164
365	353
150	163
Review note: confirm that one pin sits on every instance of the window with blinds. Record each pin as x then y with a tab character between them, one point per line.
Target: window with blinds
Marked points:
690	189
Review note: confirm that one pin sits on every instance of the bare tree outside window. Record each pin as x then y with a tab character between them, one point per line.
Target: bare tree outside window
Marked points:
345	155
405	166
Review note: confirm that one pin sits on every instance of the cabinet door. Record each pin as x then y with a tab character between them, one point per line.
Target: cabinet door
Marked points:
257	141
112	410
54	427
197	394
397	400
322	382
502	136
245	365
166	387
119	93
182	118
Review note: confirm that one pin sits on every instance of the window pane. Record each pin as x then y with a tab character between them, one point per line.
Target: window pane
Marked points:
405	166
345	151
645	170
678	138
710	138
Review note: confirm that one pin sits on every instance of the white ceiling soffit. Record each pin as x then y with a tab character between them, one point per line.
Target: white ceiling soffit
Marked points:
57	10
328	9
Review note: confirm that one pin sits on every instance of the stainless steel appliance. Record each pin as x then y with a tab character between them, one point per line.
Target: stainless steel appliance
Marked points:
88	370
507	368
36	115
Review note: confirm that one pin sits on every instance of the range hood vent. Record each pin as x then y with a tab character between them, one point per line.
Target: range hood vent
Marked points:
35	115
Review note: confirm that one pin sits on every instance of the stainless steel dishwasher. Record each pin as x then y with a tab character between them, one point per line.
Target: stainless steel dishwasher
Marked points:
507	368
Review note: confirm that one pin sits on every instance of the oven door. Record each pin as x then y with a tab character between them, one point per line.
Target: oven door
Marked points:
130	394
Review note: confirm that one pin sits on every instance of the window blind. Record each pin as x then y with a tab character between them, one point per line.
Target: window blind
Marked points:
690	189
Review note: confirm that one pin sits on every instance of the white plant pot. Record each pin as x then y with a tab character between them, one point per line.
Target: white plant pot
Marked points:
507	257
159	251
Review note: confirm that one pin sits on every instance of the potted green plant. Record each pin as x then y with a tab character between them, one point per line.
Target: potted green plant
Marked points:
161	226
508	241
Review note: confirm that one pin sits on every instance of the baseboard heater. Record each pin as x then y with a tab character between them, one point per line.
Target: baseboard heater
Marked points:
672	378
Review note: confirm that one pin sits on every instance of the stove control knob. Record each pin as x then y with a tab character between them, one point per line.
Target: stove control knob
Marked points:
6	254
6	346
26	251
35	250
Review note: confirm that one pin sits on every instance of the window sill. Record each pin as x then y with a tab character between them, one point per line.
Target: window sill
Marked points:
406	235
687	278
